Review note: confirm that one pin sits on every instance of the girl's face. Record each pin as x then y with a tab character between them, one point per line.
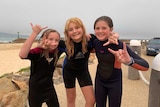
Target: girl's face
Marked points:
75	32
52	41
102	30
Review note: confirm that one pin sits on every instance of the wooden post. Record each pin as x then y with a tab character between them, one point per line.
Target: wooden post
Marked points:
18	35
154	87
133	74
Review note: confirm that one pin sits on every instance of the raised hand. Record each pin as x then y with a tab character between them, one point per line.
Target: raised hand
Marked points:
112	39
37	28
88	36
122	54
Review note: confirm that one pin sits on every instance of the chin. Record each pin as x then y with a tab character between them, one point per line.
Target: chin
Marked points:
52	49
102	39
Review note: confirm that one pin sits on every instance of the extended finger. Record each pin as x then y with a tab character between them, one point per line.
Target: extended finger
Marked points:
120	51
44	27
112	51
31	24
114	38
107	43
124	46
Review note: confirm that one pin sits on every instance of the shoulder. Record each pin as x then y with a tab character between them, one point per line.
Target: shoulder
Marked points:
120	44
92	37
62	45
36	50
61	42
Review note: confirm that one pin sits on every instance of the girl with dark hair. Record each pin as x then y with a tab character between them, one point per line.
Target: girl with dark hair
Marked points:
108	81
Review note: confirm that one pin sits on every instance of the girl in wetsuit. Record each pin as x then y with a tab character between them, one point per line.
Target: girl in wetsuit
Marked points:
108	81
43	60
75	66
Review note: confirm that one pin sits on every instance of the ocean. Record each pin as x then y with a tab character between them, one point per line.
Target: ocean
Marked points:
6	37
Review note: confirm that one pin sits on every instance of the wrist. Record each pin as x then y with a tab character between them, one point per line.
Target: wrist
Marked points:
130	63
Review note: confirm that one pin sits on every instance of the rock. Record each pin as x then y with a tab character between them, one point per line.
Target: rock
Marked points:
6	86
15	99
20	85
14	86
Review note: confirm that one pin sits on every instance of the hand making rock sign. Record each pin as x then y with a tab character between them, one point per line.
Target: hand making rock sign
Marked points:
122	54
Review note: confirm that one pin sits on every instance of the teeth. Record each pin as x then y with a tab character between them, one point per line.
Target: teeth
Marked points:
101	35
76	34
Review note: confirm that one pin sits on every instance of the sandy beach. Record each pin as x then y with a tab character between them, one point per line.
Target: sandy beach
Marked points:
135	92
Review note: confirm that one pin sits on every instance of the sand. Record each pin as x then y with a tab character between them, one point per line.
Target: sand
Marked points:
135	92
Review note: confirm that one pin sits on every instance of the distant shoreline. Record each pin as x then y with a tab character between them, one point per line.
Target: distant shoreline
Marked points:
22	40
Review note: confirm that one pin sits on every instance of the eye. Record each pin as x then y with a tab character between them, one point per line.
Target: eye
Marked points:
97	28
57	40
70	29
77	27
103	28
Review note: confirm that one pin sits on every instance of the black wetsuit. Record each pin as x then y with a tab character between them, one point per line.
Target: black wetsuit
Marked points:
108	81
41	88
77	67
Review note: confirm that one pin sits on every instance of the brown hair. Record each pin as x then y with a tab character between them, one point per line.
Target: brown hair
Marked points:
42	44
106	19
69	42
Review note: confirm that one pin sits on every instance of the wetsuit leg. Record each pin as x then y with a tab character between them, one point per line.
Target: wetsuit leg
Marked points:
52	100
112	89
69	78
84	78
34	100
115	93
100	94
68	75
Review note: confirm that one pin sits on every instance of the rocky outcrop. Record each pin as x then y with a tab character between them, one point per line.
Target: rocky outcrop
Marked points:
14	87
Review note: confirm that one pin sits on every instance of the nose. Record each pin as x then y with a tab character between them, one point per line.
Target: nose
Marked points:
74	30
100	30
54	43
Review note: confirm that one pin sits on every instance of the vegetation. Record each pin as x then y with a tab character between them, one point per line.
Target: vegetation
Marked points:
27	69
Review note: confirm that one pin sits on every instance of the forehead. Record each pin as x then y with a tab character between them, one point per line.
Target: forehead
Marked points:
101	22
72	24
53	35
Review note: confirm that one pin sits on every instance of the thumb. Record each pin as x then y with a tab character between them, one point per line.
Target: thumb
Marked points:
107	43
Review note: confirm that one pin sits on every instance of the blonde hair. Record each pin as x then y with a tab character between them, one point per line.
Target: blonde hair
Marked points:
44	46
69	42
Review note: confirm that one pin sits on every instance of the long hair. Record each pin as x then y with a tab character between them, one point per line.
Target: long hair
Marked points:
69	42
45	47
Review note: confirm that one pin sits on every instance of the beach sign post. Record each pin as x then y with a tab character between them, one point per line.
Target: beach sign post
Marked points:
18	35
154	87
133	73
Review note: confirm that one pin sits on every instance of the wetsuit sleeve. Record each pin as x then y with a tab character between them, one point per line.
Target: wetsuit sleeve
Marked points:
34	54
62	46
93	37
139	63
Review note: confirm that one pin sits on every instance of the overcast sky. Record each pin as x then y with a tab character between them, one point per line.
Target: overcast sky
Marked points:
136	17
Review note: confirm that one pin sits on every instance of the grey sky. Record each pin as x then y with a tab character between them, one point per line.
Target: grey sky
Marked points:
136	17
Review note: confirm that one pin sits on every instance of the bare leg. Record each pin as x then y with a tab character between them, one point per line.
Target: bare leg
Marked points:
71	96
88	95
